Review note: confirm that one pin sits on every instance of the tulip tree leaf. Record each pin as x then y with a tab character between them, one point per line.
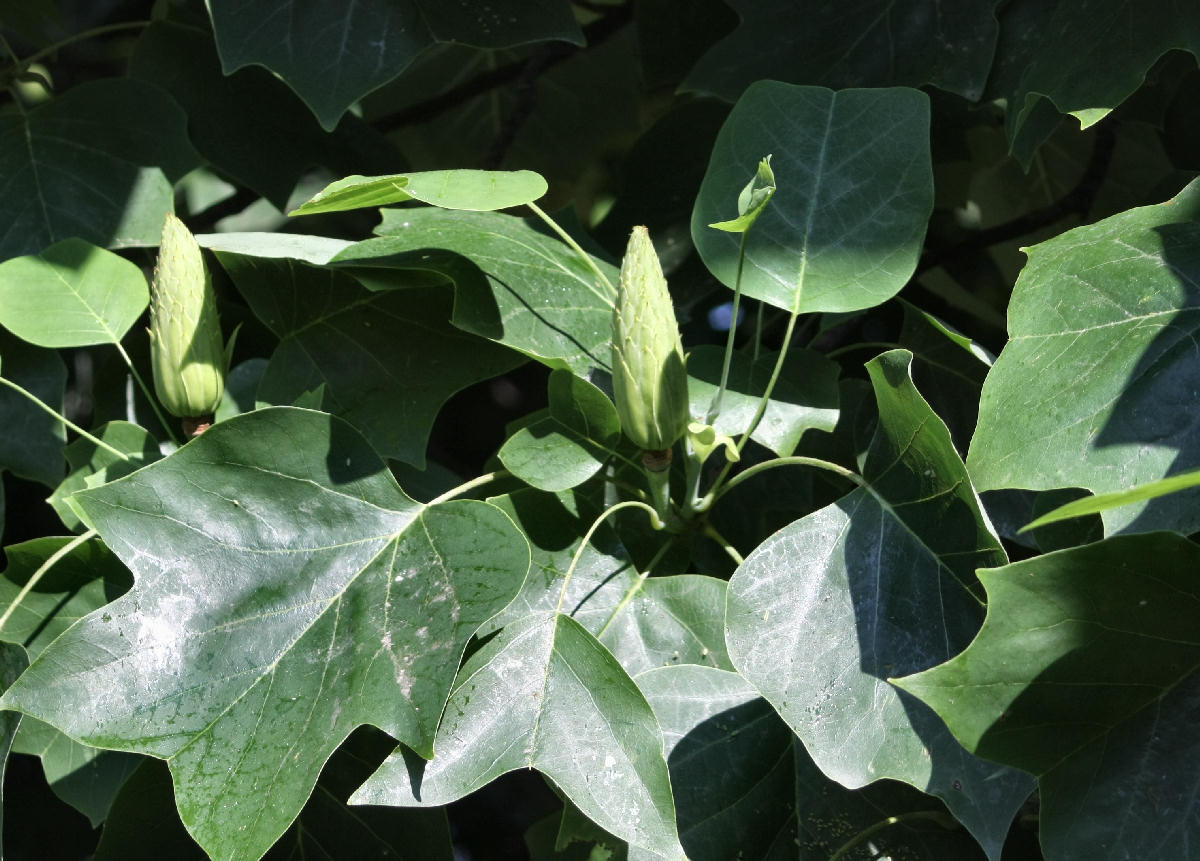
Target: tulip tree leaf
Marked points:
1101	366
745	788
805	395
286	591
73	294
578	434
824	611
545	694
1080	64
855	190
95	163
183	61
1098	642
372	350
874	43
32	442
472	190
13	662
333	56
514	284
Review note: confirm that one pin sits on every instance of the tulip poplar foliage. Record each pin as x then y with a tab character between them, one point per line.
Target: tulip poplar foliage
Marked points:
654	431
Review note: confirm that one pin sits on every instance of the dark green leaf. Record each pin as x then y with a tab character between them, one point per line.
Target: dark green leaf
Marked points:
249	125
578	434
513	284
91	466
286	592
333	56
96	163
388	359
870	43
1080	62
1084	673
32	442
826	610
13	662
545	694
846	224
1097	385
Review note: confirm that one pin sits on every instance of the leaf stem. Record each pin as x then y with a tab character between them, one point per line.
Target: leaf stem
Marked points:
655	521
89	437
478	481
162	420
38	574
862	345
86	34
714	408
796	460
636	587
711	532
932	815
575	246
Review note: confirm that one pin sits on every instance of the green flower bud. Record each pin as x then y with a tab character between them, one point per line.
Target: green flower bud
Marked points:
187	353
649	380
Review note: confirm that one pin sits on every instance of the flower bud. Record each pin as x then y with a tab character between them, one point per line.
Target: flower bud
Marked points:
649	379
187	353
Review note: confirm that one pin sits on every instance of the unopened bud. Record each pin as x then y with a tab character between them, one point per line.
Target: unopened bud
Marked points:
187	353
649	379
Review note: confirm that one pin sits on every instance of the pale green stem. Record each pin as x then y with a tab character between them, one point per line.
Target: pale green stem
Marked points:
38	574
711	532
655	522
636	587
758	328
89	437
931	815
162	420
570	240
758	413
863	345
660	491
786	461
486	478
86	34
714	408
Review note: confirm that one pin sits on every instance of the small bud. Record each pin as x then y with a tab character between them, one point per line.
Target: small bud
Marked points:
187	353
649	379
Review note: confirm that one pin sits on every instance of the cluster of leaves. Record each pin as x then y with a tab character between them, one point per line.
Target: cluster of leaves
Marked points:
330	624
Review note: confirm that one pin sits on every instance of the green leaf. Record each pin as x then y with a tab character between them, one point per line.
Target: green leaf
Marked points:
332	57
845	228
546	694
1105	501
96	163
88	577
805	396
513	284
13	662
1058	57
472	190
32	443
745	788
821	614
286	592
874	43
84	777
317	250
1084	673
1096	387
236	120
579	433
73	294
374	351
